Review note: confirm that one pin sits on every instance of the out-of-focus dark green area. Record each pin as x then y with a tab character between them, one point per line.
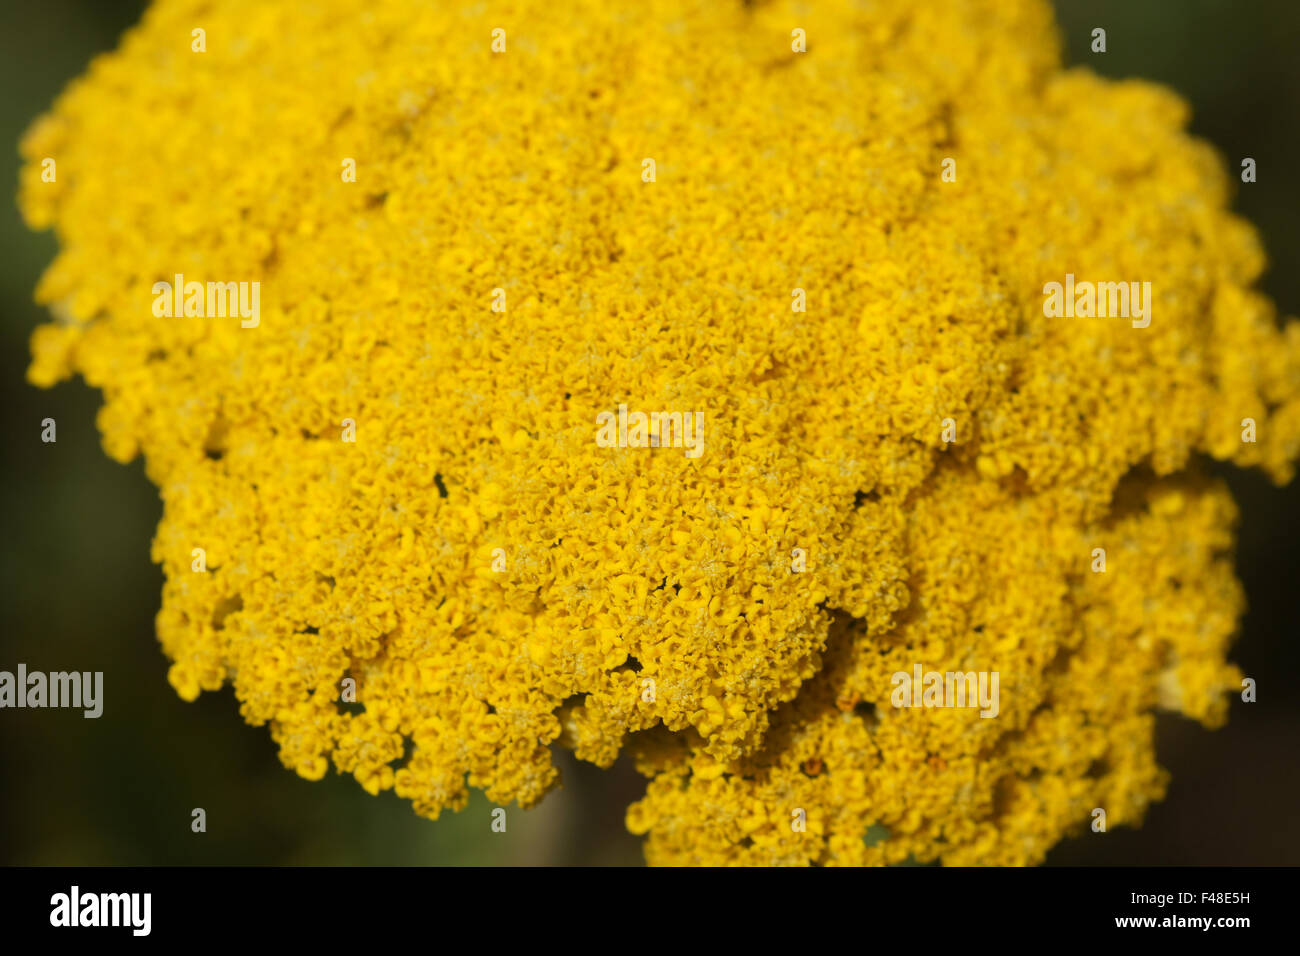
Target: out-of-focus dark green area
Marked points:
79	591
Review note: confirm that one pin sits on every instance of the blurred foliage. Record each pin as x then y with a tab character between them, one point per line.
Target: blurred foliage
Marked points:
80	591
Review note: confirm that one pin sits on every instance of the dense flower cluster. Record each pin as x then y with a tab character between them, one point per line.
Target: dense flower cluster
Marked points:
495	581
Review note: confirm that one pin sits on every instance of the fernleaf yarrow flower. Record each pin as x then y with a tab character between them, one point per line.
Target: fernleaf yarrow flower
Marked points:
468	246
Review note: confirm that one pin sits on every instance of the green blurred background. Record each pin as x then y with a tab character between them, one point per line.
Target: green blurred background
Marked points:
79	591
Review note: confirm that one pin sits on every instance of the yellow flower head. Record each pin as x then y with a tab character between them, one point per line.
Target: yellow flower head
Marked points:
360	281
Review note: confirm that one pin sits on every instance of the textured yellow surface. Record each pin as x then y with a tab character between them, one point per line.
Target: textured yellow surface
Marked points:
522	171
